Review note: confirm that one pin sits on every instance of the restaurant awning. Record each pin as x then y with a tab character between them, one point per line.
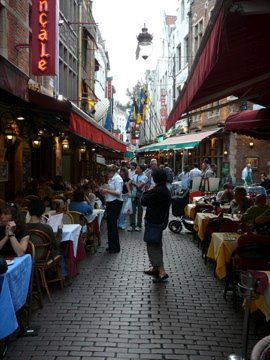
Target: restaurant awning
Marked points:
84	126
79	122
13	80
233	58
179	142
255	123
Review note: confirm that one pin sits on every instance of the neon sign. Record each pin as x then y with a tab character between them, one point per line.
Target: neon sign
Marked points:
45	37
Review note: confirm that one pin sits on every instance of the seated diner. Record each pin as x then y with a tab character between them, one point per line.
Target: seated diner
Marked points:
13	233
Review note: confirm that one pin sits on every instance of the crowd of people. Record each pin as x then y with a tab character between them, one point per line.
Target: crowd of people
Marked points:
124	191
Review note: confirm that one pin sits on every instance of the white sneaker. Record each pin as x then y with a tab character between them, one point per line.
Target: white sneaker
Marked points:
131	228
137	228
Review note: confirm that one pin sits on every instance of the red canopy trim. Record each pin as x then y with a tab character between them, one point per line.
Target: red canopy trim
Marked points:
255	123
94	132
232	60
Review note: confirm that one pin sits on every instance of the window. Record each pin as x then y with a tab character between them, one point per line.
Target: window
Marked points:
197	34
186	50
182	10
179	57
213	109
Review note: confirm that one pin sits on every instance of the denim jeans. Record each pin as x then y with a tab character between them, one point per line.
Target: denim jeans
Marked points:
122	217
137	213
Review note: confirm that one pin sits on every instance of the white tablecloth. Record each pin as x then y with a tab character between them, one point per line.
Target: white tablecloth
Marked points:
71	232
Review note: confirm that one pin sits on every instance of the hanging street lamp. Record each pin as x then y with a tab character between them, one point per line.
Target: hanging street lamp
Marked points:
144	47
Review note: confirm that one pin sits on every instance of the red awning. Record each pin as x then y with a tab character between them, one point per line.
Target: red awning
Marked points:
255	123
90	130
13	80
233	58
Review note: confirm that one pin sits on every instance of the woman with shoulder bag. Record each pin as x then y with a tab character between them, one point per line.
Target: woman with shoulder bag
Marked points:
157	202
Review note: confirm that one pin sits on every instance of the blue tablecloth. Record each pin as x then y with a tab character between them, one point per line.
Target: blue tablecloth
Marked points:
14	286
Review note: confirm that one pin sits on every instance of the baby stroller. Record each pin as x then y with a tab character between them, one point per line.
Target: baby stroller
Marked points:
178	205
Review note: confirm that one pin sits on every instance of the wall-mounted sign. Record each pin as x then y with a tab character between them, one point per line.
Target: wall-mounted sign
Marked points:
45	30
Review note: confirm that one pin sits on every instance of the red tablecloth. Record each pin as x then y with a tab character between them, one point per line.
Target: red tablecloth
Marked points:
67	246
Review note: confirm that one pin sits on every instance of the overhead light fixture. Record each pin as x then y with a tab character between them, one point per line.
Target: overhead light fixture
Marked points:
251	144
11	132
82	148
225	152
36	142
144	47
93	149
65	144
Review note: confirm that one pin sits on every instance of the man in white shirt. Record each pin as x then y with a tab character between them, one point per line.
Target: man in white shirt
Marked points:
150	182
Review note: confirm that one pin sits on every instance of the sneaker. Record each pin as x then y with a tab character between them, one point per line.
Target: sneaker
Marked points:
138	228
131	228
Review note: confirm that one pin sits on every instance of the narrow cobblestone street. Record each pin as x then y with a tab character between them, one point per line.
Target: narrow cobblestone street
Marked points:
113	311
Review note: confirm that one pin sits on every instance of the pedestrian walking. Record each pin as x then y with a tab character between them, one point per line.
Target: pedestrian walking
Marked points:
247	175
137	183
157	202
184	177
113	195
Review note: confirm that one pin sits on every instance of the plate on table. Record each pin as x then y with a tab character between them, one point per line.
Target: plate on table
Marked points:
229	237
10	262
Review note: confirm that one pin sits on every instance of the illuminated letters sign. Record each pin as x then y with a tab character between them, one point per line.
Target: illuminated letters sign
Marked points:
163	107
45	37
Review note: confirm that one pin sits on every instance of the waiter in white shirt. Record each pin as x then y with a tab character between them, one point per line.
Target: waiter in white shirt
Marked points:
114	201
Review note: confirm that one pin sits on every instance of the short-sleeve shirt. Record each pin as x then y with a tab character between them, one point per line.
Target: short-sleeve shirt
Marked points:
7	249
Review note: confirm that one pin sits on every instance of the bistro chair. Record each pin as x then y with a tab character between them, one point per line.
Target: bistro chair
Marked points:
68	218
252	253
47	265
77	217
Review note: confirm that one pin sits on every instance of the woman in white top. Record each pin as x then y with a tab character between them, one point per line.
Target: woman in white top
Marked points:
114	201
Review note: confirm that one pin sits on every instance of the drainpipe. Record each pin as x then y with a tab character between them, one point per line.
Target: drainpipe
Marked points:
80	56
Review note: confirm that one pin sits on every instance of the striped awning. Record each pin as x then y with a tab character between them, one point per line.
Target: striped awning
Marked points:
179	142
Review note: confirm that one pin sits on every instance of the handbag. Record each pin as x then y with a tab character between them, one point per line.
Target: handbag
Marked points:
153	233
127	207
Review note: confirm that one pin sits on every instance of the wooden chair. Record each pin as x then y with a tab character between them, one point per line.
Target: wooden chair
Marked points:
46	263
68	218
78	218
31	197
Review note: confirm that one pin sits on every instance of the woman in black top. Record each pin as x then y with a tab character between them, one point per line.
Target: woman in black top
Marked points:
157	202
13	234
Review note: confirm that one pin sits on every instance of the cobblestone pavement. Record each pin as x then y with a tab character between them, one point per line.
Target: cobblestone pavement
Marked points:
113	311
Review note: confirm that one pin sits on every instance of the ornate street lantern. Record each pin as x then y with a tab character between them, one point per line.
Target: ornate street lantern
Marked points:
144	46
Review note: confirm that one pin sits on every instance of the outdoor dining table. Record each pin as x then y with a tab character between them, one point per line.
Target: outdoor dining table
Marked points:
14	285
73	246
220	250
189	210
202	219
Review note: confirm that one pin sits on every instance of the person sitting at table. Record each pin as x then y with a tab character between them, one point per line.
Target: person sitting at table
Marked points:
256	210
225	195
36	209
13	234
241	202
89	196
79	204
262	223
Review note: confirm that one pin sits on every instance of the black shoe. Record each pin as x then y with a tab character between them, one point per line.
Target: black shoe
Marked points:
161	279
114	251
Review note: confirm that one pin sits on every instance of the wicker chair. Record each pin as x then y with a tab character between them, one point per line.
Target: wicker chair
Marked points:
46	263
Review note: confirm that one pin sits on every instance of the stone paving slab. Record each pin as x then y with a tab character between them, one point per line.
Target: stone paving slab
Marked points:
113	311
